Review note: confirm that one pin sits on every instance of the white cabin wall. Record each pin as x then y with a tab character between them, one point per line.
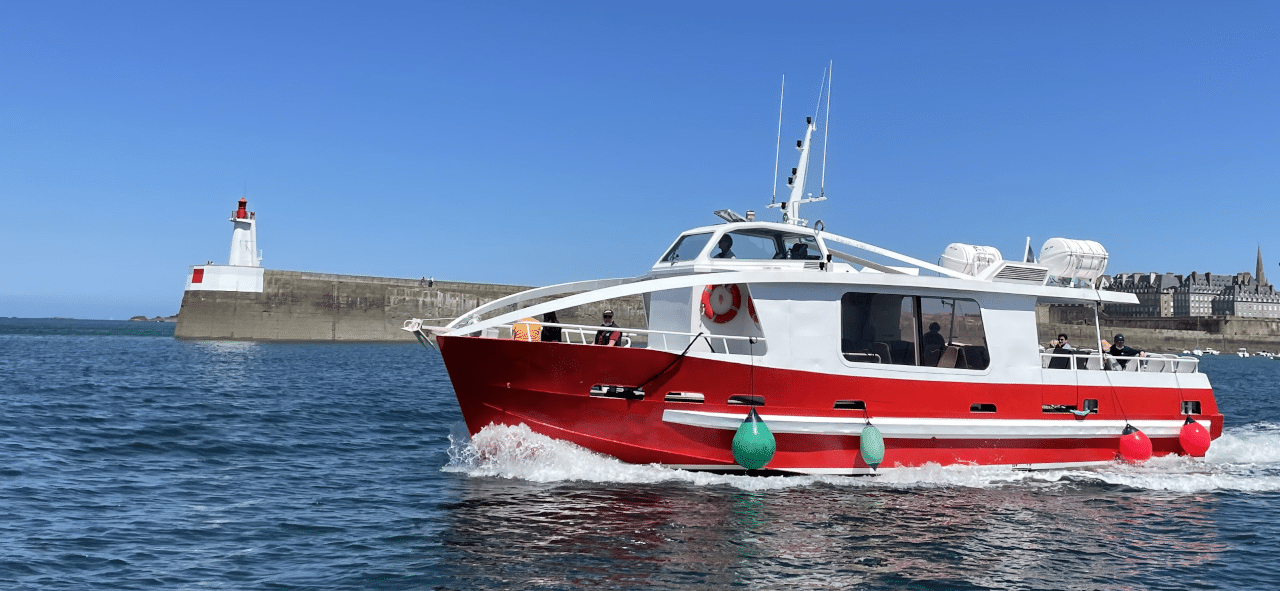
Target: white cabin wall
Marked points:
805	331
1010	324
671	310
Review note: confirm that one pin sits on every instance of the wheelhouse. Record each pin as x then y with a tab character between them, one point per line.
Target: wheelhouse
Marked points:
742	246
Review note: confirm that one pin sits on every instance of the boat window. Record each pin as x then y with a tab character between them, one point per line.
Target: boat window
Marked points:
766	244
909	330
802	248
686	248
958	340
878	328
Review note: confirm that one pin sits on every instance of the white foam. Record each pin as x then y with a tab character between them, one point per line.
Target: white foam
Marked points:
1258	443
1243	459
518	452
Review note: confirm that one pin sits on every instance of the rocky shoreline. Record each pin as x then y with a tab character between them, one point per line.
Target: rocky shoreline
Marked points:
173	318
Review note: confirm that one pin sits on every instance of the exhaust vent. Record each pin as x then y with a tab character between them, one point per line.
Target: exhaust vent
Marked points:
1013	273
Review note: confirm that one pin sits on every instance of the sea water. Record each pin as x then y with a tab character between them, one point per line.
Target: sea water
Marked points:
131	460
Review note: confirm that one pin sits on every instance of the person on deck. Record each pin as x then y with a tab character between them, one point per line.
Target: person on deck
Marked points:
1061	347
551	333
1119	349
608	337
932	344
726	248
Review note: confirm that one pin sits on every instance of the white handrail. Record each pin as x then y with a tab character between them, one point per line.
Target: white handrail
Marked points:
539	292
583	330
827	236
1160	363
642	331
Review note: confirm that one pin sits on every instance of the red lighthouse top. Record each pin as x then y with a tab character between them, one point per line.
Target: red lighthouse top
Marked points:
241	213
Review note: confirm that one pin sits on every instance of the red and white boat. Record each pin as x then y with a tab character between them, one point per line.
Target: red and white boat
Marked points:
822	341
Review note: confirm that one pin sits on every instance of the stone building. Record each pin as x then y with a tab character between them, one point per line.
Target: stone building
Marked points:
1248	299
1154	290
1198	294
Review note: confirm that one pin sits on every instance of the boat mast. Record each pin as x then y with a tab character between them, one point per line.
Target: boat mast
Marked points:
791	207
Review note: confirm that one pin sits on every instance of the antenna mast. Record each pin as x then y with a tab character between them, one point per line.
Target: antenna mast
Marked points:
826	128
777	152
791	207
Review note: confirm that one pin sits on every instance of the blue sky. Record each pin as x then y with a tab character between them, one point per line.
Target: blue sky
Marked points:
540	142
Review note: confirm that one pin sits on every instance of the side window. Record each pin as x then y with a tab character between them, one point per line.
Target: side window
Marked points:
800	248
878	328
953	335
686	249
765	244
750	246
908	330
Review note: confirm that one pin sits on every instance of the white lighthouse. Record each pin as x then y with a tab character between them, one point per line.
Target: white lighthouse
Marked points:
242	272
244	238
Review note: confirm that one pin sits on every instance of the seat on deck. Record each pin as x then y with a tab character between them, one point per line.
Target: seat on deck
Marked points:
975	357
882	349
949	356
903	352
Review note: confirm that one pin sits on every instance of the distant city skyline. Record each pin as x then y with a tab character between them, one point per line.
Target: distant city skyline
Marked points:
1258	271
1242	294
538	143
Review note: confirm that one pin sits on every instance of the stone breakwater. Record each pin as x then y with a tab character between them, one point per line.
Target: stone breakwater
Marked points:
300	306
1226	334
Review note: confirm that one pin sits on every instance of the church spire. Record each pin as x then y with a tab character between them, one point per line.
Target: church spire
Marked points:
1262	278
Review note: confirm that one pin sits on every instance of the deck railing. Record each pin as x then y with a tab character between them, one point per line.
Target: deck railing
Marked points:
669	340
666	340
1151	363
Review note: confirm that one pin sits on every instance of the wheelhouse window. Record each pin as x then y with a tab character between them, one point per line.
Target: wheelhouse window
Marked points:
686	248
759	243
912	330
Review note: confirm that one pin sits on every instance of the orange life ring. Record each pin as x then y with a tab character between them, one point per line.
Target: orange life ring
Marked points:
751	308
727	299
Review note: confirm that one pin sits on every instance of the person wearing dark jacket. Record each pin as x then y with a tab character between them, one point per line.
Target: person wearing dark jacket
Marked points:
1061	347
551	333
1119	349
608	337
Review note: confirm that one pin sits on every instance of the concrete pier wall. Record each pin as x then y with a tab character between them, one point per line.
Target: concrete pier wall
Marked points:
1226	334
299	306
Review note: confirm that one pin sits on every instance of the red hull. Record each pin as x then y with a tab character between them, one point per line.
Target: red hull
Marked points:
546	386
